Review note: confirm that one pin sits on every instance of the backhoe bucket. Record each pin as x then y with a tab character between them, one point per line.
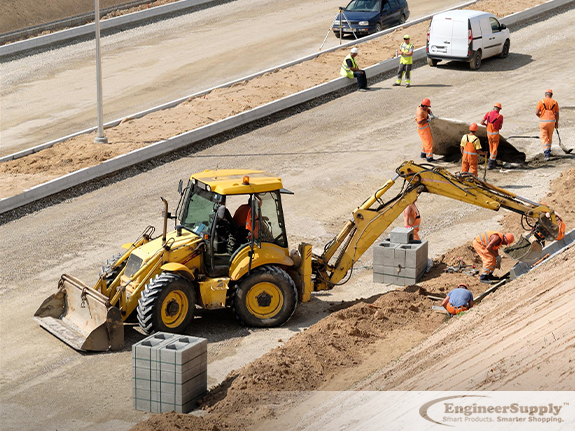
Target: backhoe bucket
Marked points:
81	317
526	250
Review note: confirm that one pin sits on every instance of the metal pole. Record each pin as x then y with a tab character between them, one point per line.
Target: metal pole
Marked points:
100	139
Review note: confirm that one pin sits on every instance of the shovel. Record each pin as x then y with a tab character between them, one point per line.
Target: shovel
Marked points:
563	147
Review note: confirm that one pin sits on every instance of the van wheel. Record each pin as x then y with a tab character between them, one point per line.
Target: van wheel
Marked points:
505	51
475	62
432	62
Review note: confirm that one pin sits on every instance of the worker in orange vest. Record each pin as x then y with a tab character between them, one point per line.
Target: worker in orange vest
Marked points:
423	115
487	245
470	148
494	122
548	112
412	218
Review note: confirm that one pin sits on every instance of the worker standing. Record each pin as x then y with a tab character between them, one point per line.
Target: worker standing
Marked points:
470	149
487	245
412	219
458	300
494	122
423	115
548	112
350	69
405	62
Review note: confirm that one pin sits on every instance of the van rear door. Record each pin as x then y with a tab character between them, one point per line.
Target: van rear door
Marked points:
440	35
460	37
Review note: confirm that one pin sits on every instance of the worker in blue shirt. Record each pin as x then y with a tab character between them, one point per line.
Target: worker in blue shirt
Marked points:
458	300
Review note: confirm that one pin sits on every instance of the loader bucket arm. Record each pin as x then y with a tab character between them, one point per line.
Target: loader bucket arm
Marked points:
81	317
369	223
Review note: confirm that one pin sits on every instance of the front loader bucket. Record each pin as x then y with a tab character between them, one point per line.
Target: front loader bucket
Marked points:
81	317
526	250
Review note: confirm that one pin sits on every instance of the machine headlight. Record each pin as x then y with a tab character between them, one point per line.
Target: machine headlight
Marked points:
364	23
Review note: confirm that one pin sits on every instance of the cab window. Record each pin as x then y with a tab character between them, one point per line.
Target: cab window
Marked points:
495	27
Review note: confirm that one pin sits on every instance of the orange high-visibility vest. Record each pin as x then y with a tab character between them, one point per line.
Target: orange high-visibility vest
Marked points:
483	238
548	113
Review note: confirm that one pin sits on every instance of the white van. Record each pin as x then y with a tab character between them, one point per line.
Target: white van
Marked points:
466	35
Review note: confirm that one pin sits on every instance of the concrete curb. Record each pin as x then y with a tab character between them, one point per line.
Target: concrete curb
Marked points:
159	148
555	248
72	33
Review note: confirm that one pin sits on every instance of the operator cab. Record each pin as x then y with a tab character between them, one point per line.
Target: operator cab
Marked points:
231	210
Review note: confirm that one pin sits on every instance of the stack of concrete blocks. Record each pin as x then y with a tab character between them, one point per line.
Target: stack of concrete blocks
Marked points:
169	372
398	259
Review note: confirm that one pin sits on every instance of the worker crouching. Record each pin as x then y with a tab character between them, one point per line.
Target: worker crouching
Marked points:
487	245
458	300
470	149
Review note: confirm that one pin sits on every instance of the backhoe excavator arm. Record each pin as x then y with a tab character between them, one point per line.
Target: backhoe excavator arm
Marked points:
370	221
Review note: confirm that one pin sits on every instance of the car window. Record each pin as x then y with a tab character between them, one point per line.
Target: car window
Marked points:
386	7
364	6
494	25
394	4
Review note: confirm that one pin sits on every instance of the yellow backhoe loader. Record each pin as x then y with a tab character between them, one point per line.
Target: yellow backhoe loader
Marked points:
213	260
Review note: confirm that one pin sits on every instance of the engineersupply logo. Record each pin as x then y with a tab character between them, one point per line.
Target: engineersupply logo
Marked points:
466	409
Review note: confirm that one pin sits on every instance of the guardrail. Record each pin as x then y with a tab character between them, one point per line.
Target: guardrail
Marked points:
162	147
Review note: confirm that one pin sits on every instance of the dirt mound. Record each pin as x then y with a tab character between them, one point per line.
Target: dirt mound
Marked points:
306	362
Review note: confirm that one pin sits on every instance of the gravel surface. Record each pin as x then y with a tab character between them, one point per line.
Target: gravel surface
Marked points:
332	156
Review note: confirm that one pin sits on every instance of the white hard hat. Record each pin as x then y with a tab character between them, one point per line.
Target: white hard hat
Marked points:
354	50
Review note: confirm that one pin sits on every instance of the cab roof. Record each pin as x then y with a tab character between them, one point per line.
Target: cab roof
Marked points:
230	181
467	13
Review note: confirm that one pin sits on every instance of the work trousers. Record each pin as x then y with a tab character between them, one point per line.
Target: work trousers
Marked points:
361	79
426	140
546	128
489	260
404	68
456	310
493	138
469	164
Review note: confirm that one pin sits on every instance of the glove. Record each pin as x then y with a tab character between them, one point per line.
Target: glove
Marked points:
498	262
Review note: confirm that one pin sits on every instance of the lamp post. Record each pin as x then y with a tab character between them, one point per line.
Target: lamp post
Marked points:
100	139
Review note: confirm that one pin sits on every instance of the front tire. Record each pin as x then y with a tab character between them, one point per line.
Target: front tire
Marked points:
432	62
112	273
475	62
378	28
266	298
167	304
402	19
505	51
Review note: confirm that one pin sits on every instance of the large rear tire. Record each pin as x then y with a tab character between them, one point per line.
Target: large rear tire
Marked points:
266	298
167	304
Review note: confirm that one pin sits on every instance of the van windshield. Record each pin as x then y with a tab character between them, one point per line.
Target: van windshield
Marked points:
364	6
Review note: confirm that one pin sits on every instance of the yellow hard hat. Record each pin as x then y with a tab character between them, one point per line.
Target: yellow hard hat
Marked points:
406	36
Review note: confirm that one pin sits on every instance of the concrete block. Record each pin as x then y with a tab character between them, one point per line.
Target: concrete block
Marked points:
401	235
142	405
383	252
415	254
399	256
183	350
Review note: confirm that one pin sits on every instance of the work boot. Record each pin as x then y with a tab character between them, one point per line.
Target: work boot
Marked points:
396	84
423	155
484	278
430	159
547	154
407	85
490	164
494	277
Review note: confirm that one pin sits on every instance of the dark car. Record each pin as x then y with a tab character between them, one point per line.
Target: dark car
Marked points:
370	16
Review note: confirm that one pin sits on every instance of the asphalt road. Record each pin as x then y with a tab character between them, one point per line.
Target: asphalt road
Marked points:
333	156
53	94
